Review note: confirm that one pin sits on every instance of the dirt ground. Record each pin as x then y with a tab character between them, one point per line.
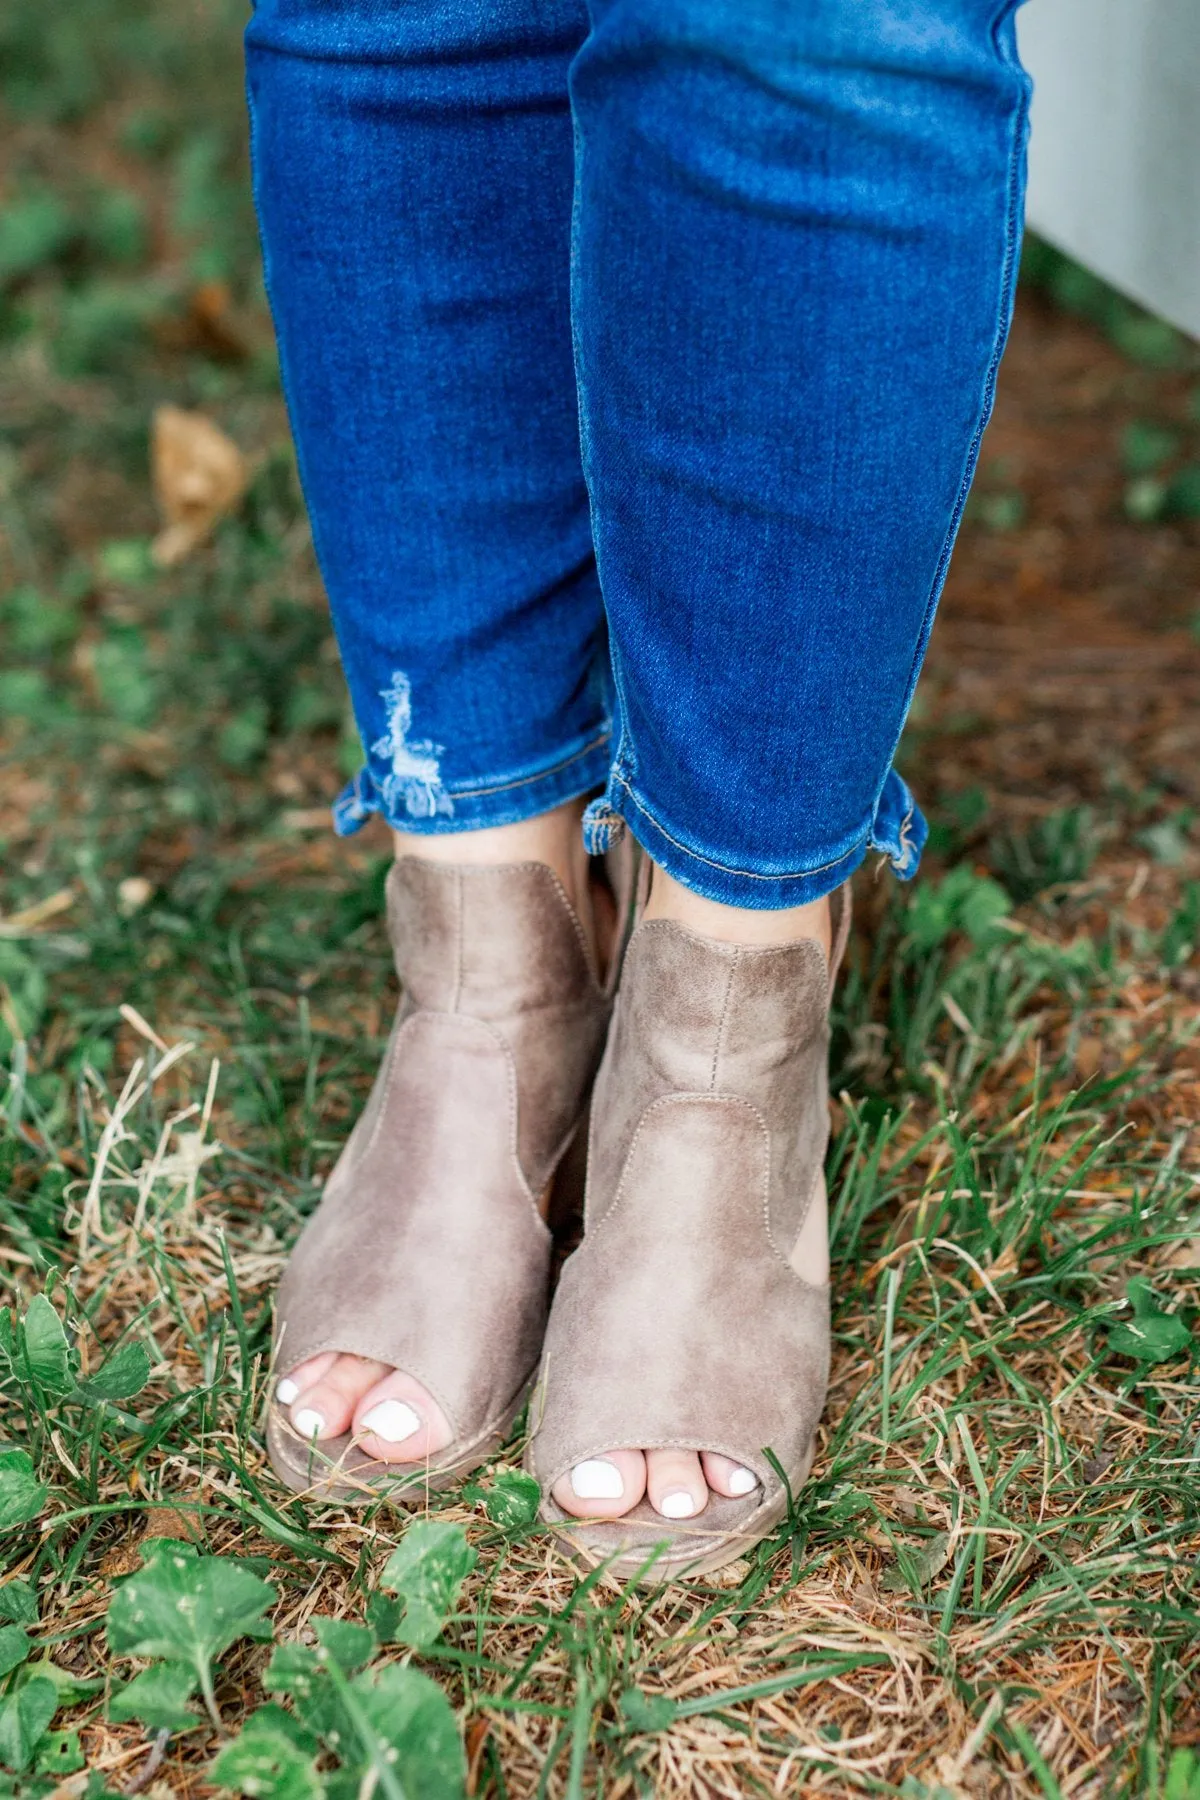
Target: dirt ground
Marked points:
1065	664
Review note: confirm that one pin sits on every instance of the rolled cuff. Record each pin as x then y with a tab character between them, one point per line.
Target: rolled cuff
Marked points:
897	829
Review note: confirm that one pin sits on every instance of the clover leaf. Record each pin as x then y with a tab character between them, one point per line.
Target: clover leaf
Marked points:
22	1495
15	1645
426	1571
121	1375
511	1502
60	1753
25	1717
647	1712
48	1357
18	1601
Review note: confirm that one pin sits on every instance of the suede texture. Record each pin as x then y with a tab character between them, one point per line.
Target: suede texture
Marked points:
427	1251
679	1320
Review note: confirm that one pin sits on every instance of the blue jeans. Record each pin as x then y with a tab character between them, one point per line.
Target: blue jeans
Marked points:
637	356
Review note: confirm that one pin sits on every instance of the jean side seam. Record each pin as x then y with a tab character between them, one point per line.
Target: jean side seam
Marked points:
1004	308
622	752
285	383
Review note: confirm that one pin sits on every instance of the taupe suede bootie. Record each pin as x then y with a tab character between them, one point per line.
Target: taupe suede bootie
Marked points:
679	1321
428	1251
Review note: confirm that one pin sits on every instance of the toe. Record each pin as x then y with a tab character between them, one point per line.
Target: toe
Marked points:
603	1487
675	1483
396	1420
724	1476
289	1387
325	1409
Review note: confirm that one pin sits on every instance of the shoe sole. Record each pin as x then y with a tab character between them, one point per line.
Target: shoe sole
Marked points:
338	1470
587	1543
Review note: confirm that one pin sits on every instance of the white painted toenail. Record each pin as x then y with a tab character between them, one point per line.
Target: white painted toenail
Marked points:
741	1481
597	1480
309	1422
391	1420
287	1391
678	1505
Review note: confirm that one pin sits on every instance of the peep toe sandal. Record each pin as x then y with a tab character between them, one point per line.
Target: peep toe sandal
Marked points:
680	1321
428	1251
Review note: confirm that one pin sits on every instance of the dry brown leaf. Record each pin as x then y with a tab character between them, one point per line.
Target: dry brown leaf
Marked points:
181	1521
215	324
1183	1256
199	476
30	917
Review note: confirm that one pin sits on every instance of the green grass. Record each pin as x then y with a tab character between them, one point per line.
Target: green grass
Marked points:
989	1586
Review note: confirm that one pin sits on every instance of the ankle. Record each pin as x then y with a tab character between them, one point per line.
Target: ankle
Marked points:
738	924
554	838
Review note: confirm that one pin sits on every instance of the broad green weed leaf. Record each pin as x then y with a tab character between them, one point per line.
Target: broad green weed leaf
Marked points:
511	1501
1182	498
1183	1776
22	1495
983	907
187	1608
1150	1340
427	1570
265	1762
123	1374
68	1687
647	1712
383	1616
1182	935
47	1353
413	1718
961	901
1146	445
293	1669
277	1718
15	1645
297	1671
18	1601
33	232
60	1753
25	1717
350	1645
158	1697
1151	1336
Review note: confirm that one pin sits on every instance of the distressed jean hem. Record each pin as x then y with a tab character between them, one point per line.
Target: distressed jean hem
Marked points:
897	829
577	769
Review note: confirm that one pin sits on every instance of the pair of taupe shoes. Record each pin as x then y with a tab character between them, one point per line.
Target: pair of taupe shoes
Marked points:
679	1320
